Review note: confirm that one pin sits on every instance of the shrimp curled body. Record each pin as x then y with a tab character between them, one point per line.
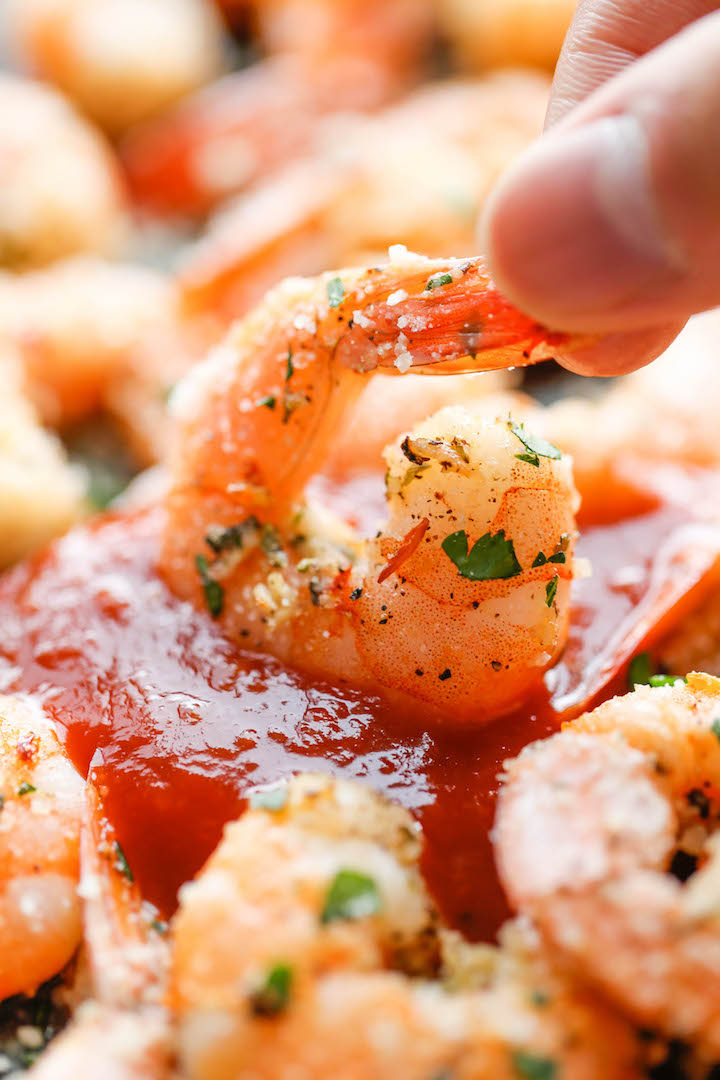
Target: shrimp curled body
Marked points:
462	599
589	823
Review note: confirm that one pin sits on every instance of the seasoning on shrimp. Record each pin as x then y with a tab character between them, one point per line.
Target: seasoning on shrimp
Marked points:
458	554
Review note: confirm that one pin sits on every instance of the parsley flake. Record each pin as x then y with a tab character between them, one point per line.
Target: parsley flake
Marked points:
351	895
214	592
531	459
121	864
492	556
268	402
438	280
550	591
273	995
715	728
640	673
290	367
273	799
26	788
531	1067
536	446
540	559
335	292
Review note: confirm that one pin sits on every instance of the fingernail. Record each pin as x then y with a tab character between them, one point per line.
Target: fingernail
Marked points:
573	232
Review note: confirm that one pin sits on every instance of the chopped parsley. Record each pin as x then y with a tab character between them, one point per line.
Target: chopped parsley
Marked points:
290	367
26	788
351	895
335	292
715	728
640	673
550	591
159	926
232	537
492	556
121	864
530	1067
269	402
214	592
271	544
2	802
535	446
273	995
438	280
272	799
541	558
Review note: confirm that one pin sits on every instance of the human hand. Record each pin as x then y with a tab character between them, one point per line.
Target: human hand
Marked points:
610	223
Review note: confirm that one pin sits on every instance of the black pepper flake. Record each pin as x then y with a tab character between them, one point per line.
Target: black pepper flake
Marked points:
495	665
419	671
356	594
446	674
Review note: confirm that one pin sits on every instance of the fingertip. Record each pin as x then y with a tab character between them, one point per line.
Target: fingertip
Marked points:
618	354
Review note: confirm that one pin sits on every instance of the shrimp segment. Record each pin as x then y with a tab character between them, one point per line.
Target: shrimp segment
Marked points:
40	925
313	977
590	821
478	547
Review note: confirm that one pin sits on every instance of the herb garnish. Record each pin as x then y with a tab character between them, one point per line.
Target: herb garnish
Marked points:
273	996
535	446
214	592
335	292
26	788
715	728
290	367
351	895
492	556
531	1067
438	280
550	591
269	402
640	673
121	864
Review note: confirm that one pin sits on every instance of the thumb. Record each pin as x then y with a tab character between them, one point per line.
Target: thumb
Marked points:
611	222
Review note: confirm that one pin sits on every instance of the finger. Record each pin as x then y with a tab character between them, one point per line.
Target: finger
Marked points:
611	222
607	35
616	354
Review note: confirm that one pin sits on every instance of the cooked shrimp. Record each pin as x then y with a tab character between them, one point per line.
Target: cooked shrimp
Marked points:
299	962
61	192
76	325
352	195
494	33
122	1031
589	823
41	495
258	418
41	794
121	61
326	57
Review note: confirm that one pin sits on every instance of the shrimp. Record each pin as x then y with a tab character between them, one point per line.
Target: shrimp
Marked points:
122	1030
258	418
495	33
77	324
61	191
121	61
589	823
40	926
301	961
325	58
351	194
41	495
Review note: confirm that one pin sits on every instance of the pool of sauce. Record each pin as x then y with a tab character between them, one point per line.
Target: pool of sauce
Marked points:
179	724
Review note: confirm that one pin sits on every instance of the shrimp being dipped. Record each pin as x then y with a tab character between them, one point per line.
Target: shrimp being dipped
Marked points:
301	962
42	794
589	824
478	547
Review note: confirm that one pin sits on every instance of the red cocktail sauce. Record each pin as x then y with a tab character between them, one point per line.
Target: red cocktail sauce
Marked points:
180	723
